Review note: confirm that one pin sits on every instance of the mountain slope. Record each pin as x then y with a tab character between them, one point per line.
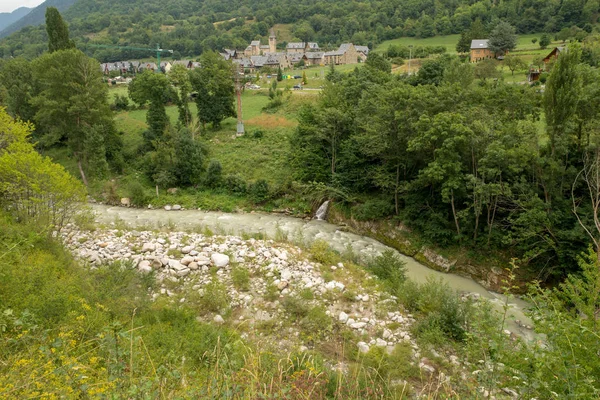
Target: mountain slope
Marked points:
192	26
7	19
36	16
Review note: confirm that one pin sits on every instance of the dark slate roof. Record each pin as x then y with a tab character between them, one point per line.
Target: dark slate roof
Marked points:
296	45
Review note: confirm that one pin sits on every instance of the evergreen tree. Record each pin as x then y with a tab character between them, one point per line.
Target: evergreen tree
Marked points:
58	31
279	74
72	106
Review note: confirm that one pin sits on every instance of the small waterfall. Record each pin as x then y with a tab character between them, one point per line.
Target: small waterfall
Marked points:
321	213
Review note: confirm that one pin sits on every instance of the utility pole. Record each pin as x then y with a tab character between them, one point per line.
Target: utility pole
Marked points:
238	70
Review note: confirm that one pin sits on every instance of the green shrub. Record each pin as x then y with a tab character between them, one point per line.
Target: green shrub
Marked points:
137	194
316	324
241	278
214	174
321	252
295	307
259	191
389	268
215	298
258	133
372	210
235	184
440	307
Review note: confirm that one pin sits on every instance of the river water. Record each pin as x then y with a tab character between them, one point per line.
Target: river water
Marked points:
302	231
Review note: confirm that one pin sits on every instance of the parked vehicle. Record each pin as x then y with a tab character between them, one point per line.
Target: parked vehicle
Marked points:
297	87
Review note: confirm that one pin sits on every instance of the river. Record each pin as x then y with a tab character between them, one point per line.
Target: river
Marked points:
304	231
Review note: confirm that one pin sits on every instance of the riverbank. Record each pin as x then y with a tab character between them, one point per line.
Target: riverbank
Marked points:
301	232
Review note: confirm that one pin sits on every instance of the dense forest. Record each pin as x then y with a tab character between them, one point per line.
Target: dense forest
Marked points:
191	27
495	165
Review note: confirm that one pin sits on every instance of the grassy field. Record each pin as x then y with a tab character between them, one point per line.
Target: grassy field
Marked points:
449	41
253	156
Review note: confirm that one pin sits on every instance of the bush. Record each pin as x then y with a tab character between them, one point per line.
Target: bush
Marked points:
543	77
389	268
215	298
321	252
213	174
372	210
259	191
137	194
316	324
258	133
241	278
235	184
121	103
442	309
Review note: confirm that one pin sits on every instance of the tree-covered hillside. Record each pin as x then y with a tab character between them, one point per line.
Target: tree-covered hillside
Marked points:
191	27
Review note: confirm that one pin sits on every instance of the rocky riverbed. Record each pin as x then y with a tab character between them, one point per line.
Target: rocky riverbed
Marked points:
186	264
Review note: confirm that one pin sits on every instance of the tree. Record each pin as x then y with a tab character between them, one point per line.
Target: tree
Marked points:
378	62
502	38
304	79
459	72
180	79
58	31
476	31
73	105
464	42
561	97
152	88
534	40
431	72
32	187
279	74
545	41
16	76
514	63
215	88
486	70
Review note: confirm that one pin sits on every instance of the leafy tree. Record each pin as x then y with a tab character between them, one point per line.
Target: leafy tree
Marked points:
431	72
545	41
502	38
534	40
459	72
155	89
72	105
514	63
563	90
180	79
215	88
58	32
16	76
32	187
190	159
487	69
378	62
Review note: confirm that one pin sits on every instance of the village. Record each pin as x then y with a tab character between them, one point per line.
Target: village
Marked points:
257	56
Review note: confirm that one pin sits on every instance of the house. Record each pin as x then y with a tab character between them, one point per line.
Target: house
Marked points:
346	54
480	50
313	58
553	54
363	52
301	47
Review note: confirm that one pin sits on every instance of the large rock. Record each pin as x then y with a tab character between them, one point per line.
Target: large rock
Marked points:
176	207
187	249
363	347
343	317
218	319
144	266
187	260
220	260
125	201
168	207
148	247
